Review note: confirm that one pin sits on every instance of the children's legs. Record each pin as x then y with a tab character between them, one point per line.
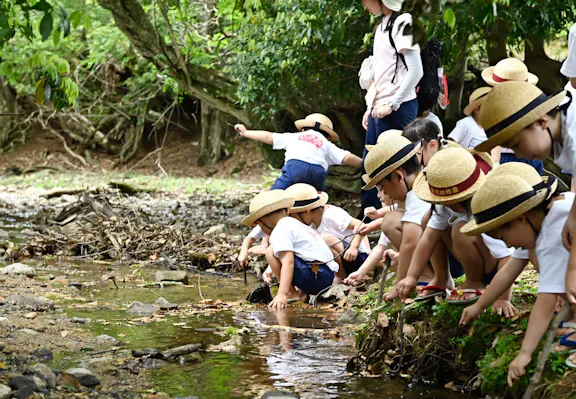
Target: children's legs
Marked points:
392	227
337	247
440	266
276	266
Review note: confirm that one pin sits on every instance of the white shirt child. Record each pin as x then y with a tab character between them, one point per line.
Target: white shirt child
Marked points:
292	235
467	133
551	254
336	221
309	146
416	209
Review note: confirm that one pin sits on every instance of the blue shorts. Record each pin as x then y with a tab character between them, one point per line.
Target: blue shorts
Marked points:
351	267
456	269
536	164
488	277
305	279
295	171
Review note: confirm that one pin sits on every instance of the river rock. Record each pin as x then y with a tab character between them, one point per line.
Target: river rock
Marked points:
79	320
22	383
149	352
44	372
84	376
18	269
108	339
165	305
337	291
43	353
35	303
236	220
28	331
351	317
215	230
5	391
4	235
172	275
279	394
142	308
40	383
31	315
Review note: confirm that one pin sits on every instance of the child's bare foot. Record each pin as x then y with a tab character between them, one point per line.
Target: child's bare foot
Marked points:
435	283
567	343
392	294
566	327
467	296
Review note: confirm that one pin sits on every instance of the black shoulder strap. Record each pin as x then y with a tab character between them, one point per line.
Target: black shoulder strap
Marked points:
390	28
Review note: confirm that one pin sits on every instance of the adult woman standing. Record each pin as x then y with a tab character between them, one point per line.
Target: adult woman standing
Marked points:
396	71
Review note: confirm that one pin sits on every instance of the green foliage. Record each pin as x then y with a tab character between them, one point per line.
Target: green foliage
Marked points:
51	82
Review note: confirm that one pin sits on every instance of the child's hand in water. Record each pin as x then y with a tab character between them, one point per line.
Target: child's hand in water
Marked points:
354	278
518	367
351	254
371	212
241	129
405	287
470	314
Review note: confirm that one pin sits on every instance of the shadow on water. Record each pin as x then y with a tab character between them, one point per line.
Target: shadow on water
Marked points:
309	364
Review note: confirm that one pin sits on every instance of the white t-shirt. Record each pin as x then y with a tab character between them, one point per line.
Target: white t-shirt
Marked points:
292	235
336	221
257	233
309	146
434	118
384	59
569	66
564	153
551	254
383	240
416	209
467	133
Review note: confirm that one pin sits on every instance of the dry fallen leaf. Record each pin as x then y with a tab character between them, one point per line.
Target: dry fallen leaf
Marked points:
383	320
451	386
409	330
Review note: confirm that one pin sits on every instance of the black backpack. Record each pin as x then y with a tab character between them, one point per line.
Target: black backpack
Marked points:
428	89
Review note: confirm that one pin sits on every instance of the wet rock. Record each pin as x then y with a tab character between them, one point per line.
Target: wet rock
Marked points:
18	269
142	308
5	322
45	373
215	230
5	391
84	376
10	349
172	275
78	320
351	317
76	285
337	291
279	394
40	383
231	346
44	354
4	235
108	339
31	315
146	364
165	305
35	303
22	383
149	352
104	365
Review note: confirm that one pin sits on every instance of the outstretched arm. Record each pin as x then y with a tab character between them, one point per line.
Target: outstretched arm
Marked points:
258	135
352	160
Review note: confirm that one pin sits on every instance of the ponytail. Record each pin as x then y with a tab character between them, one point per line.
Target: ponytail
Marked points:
424	129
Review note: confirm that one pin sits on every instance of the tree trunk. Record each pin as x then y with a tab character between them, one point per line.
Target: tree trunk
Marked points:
458	74
214	130
350	137
547	69
496	43
8	107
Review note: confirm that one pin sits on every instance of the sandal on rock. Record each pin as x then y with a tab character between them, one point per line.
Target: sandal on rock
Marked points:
564	341
460	292
436	291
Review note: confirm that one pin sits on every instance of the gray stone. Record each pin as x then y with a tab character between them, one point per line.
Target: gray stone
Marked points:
18	269
84	376
36	303
107	339
165	305
27	331
44	353
78	320
279	394
142	308
5	391
44	372
337	291
4	235
22	383
351	317
215	230
236	220
172	275
40	383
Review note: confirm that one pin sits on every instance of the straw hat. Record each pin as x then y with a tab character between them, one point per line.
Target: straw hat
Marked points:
265	203
383	136
394	5
318	122
306	197
476	98
386	157
528	173
508	70
500	200
452	175
510	107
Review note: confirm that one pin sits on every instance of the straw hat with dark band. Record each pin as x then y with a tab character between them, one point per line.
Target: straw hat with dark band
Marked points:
476	99
320	123
265	203
386	157
508	70
500	200
384	135
306	197
528	173
452	175
510	107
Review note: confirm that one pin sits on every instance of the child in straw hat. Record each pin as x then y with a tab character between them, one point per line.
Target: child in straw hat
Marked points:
335	225
510	70
392	166
468	132
309	153
512	269
509	208
298	255
449	181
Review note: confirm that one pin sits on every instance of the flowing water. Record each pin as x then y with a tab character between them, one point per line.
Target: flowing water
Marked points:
307	364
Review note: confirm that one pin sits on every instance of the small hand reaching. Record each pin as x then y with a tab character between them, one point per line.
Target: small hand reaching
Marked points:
504	308
470	314
365	119
279	302
354	278
371	212
241	129
267	275
518	367
393	256
405	287
351	254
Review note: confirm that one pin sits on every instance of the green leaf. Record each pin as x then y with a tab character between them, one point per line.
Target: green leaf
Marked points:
4	23
46	26
56	36
450	18
87	22
75	18
43	6
40	92
6	33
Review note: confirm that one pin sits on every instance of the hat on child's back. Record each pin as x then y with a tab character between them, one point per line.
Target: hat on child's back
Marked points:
501	199
476	99
318	122
383	136
306	197
508	70
265	203
387	156
510	107
452	175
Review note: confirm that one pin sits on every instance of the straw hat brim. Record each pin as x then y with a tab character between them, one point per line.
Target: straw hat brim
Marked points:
308	124
385	172
472	106
322	200
489	72
422	191
508	132
285	203
473	229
